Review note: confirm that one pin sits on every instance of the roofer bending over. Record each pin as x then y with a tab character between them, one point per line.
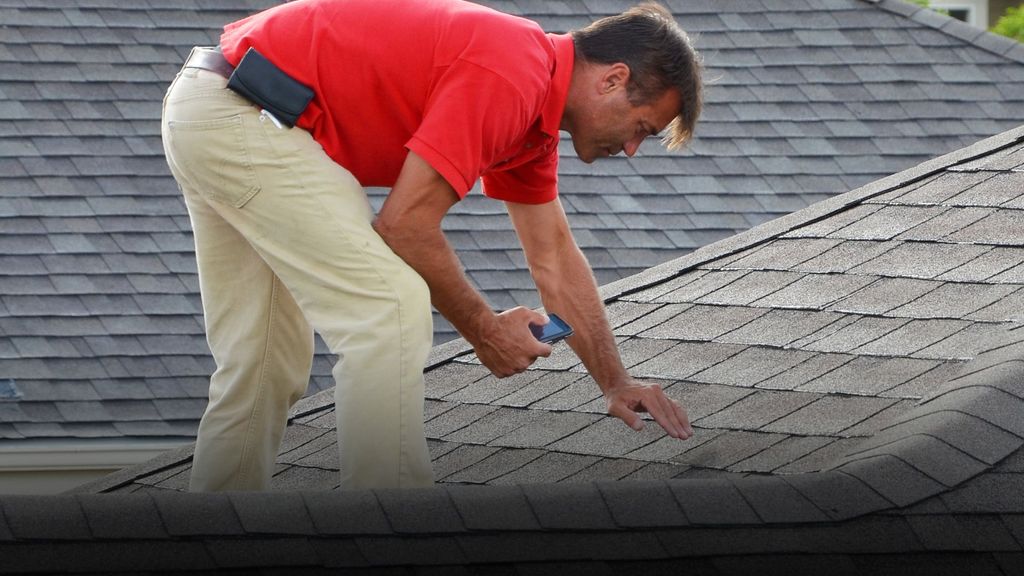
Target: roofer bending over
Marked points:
424	97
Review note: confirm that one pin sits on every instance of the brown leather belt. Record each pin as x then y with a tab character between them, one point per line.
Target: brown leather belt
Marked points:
209	59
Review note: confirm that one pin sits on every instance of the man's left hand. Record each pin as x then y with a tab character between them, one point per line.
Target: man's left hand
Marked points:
625	401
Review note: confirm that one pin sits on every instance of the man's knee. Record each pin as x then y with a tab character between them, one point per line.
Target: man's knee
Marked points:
414	303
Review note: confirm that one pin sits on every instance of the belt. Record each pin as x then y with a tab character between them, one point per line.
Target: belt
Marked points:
211	59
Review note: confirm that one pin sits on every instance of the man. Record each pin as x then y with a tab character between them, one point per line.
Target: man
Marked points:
426	97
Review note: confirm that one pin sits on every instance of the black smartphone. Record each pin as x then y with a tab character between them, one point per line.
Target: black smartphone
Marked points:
553	331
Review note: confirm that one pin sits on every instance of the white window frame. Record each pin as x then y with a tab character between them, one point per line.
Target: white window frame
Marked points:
977	10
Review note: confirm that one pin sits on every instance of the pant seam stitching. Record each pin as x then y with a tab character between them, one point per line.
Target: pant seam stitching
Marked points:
246	443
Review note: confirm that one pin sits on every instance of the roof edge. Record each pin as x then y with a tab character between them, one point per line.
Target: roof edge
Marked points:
125	476
978	37
775	228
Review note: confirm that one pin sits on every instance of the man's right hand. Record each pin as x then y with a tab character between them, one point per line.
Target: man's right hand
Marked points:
505	344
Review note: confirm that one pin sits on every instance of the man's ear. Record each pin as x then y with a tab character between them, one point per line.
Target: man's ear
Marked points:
616	76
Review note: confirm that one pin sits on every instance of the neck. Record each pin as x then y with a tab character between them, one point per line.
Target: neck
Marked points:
582	77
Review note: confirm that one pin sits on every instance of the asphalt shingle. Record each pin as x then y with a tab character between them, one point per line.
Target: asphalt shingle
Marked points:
802	346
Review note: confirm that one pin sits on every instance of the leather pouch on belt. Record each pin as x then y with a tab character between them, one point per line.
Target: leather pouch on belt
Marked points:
267	86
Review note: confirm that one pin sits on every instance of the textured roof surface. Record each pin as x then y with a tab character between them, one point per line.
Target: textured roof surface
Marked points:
787	352
99	311
854	372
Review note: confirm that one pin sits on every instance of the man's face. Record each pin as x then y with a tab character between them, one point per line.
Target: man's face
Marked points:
612	124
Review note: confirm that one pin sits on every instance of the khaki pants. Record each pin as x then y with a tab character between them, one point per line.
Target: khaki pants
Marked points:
284	246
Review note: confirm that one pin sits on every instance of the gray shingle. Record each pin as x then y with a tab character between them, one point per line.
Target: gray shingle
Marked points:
751	366
457	418
1013	275
283	514
727	449
853	332
913	336
780	328
666	448
646	504
774	500
574	392
608	437
420	511
782	254
49	518
569	506
449	378
845	256
686	359
703	322
700	286
815	291
255	552
839	495
884	295
812	368
711	502
942	226
552	467
489	389
829	415
916	260
984	495
778	455
870	376
751	287
757	410
967	343
952	533
549	427
197	514
985	266
927	383
1001	228
493	508
384	551
497	465
886	223
895	480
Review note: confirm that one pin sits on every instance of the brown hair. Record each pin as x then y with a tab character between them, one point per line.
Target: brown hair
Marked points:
660	56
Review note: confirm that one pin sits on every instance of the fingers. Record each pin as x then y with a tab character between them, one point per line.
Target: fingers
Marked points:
671	416
527	315
665	411
628	416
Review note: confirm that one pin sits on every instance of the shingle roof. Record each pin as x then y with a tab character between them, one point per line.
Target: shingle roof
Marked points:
830	436
99	306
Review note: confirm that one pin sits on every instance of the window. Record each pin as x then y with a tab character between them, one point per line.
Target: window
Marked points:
973	12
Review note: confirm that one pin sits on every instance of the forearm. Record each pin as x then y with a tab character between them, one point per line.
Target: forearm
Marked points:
410	223
568	289
427	251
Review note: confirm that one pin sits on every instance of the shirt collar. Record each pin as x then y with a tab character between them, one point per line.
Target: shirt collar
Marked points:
554	106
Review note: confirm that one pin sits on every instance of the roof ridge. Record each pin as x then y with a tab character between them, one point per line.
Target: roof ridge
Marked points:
978	37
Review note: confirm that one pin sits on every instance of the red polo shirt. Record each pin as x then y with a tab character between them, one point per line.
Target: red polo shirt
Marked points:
475	92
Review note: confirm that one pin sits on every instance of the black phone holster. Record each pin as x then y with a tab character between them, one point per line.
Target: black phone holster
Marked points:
267	86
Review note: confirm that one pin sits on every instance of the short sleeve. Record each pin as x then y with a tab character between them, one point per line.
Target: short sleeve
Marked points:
471	116
534	182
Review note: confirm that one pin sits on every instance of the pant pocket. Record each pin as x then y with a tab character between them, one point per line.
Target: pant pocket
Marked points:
213	155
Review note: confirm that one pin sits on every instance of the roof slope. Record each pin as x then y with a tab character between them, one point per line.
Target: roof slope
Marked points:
99	310
855	376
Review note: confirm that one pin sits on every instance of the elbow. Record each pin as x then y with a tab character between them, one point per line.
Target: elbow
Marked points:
381	227
388	229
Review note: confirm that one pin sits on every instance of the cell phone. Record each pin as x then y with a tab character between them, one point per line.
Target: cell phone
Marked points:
553	331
